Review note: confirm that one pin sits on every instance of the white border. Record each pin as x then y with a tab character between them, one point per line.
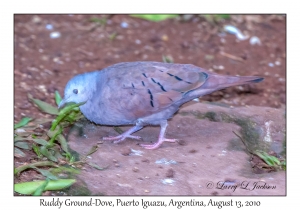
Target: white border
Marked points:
153	6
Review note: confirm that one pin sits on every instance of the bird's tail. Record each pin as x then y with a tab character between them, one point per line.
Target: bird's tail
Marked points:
216	82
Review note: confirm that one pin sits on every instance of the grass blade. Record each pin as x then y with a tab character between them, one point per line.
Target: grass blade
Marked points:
24	121
63	143
63	113
46	174
28	188
44	150
41	141
57	97
33	165
154	17
22	145
19	153
94	165
45	107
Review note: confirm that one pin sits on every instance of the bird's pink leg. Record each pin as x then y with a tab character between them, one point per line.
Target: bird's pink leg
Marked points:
124	135
161	138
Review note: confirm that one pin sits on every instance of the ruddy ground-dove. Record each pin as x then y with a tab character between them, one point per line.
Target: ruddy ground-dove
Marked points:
143	93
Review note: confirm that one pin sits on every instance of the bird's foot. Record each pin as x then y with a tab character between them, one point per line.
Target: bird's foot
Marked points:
120	138
158	143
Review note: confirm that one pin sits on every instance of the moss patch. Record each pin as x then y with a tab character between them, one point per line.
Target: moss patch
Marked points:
250	132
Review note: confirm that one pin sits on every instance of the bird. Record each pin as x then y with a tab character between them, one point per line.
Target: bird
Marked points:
143	93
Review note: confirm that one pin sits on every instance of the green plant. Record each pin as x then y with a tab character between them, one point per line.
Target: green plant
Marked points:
216	17
270	161
30	134
154	17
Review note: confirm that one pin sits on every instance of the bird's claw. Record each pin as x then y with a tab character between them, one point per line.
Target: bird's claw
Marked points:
118	139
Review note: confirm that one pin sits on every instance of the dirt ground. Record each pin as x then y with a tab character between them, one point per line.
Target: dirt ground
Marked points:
51	49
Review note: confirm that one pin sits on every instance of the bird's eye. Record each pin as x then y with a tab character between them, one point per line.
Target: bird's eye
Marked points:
75	91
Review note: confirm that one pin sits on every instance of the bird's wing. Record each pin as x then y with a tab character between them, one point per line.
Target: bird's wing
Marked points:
148	89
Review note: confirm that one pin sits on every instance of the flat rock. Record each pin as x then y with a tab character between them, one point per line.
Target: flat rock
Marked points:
209	159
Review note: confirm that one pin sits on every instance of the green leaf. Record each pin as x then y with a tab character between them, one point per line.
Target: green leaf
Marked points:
46	173
24	121
63	113
269	159
118	130
167	59
45	107
58	155
22	133
41	141
19	138
63	143
224	16
44	150
113	36
53	134
101	21
154	17
63	169
28	188
22	145
94	165
37	150
41	188
19	153
92	150
33	165
57	97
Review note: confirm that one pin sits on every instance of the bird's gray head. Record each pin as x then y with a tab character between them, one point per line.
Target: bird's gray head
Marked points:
78	89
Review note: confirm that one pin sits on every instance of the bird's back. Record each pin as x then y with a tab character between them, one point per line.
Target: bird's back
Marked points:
139	90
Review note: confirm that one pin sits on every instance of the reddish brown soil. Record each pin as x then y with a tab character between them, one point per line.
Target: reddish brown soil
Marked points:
43	65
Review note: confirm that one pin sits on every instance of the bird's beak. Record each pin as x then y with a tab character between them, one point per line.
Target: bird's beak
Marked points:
65	101
62	103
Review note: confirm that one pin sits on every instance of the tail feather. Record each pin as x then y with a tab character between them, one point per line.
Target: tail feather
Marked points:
258	80
217	82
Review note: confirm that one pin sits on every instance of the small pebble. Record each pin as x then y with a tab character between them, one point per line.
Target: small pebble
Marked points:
271	64
170	173
214	193
192	151
49	27
36	19
54	35
124	25
167	181
255	41
277	63
135	169
145	160
220	67
126	151
165	38
182	142
146	191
